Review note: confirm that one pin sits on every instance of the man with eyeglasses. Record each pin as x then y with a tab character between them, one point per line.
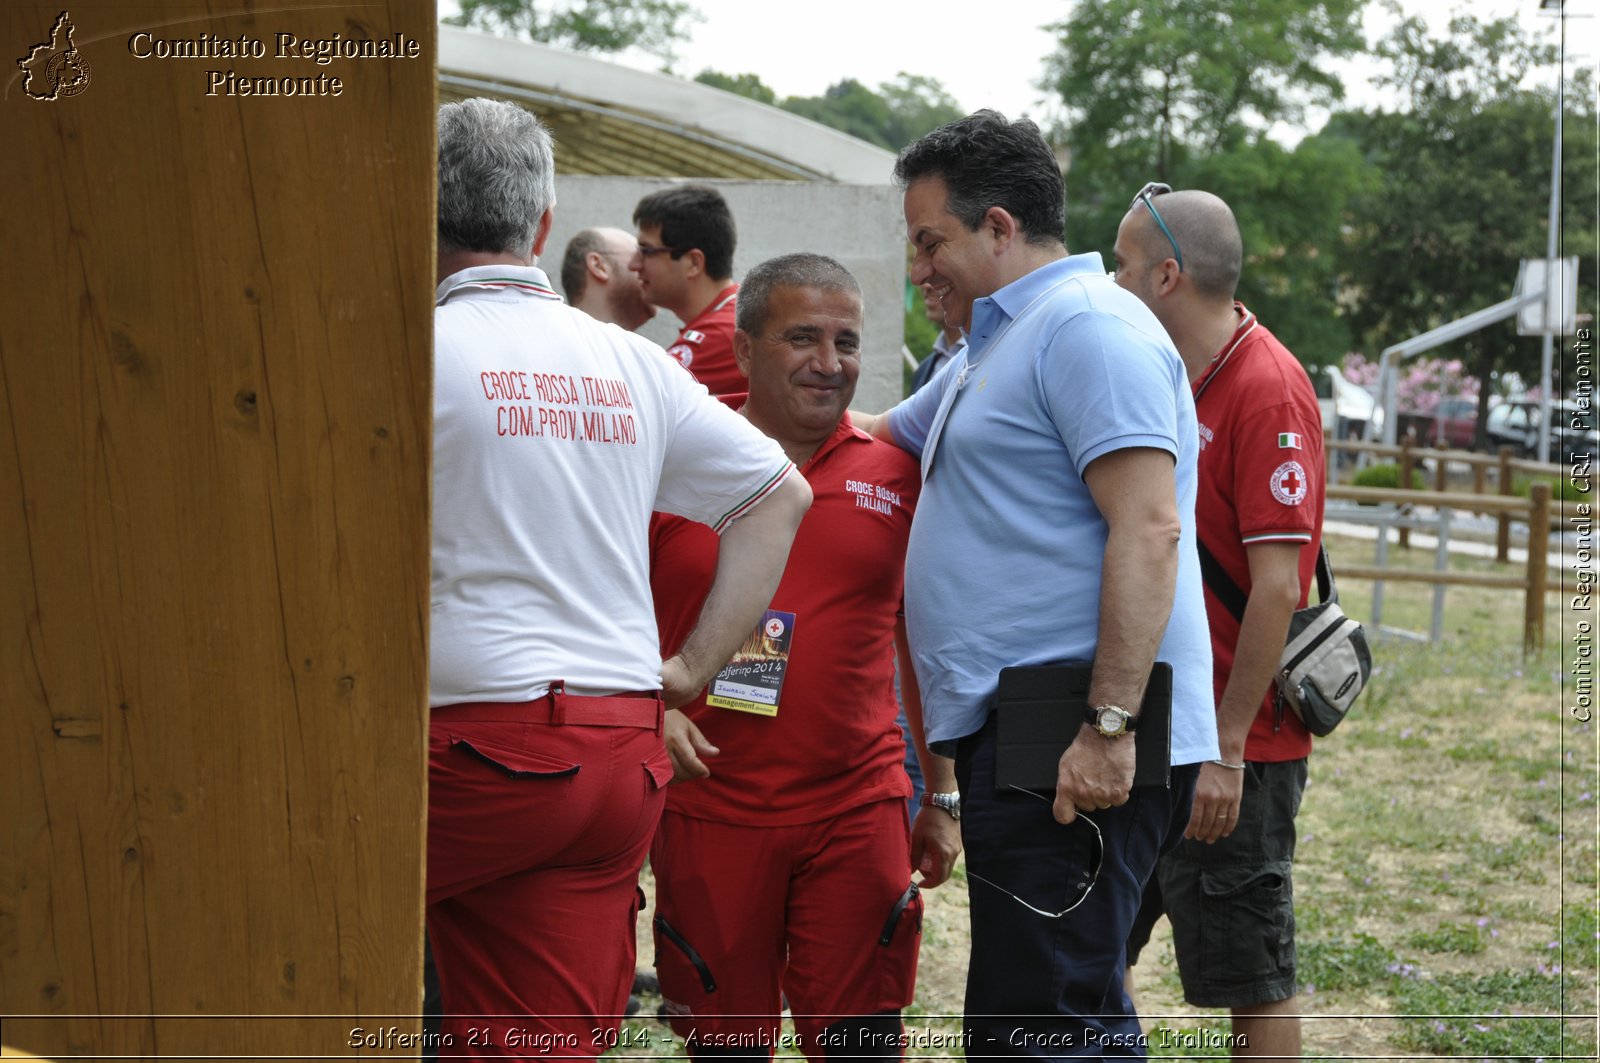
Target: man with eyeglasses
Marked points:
1055	524
785	869
596	279
1227	888
685	264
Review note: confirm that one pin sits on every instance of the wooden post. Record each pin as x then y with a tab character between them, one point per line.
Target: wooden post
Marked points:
1502	535
1538	566
1406	464
215	369
1441	474
1480	478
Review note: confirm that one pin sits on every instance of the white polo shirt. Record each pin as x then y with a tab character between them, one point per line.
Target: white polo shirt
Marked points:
555	437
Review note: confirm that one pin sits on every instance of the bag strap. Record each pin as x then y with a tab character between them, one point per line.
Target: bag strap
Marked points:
1326	588
1222	586
1233	599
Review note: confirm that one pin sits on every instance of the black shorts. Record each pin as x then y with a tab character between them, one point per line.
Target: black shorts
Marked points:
1231	903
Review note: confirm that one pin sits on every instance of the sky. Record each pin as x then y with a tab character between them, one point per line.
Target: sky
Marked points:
987	60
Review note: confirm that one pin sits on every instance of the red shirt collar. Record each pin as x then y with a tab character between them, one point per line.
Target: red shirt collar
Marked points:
723	298
844	430
1247	324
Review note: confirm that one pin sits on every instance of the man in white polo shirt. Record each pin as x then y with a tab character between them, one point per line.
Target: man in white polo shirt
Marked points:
553	714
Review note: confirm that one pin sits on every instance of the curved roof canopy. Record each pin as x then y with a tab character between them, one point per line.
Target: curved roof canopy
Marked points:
614	120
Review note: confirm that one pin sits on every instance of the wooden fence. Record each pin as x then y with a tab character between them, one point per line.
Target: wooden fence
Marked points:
1505	467
1535	510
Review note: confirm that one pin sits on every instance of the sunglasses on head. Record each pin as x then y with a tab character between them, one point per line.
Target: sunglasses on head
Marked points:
1147	196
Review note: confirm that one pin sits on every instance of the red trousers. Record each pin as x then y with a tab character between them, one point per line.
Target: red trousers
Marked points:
539	818
822	913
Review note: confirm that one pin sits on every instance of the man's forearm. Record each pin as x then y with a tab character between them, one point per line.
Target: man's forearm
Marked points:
1263	630
938	773
1137	584
875	425
1255	662
750	563
1136	493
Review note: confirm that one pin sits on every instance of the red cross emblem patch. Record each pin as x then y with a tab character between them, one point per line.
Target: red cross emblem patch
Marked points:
1289	483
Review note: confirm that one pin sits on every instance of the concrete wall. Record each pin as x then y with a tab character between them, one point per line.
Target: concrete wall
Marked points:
860	225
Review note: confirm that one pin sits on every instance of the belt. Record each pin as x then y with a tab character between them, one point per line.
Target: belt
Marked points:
642	709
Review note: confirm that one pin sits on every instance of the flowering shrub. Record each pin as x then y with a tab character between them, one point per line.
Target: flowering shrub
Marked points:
1423	381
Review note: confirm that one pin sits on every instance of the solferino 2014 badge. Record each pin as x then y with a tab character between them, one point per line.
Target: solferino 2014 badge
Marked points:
753	680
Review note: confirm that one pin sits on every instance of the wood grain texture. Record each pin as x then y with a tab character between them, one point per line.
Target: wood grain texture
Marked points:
214	445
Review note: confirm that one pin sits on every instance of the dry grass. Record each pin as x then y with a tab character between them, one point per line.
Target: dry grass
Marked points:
1447	860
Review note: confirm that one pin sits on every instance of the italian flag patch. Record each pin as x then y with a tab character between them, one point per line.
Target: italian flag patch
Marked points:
1288	440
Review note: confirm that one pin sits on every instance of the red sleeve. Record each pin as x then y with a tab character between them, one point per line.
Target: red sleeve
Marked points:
1278	474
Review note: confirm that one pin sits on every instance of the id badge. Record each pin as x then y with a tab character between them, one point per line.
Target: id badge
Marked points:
753	680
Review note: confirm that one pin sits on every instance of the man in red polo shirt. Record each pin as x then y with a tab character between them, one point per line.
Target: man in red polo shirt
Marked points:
1227	888
685	264
785	869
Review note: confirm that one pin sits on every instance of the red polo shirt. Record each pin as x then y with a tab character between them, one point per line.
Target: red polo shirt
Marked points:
1261	480
705	346
833	744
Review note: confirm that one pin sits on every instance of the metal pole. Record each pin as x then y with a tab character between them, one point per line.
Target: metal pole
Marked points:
1546	341
1381	560
1441	563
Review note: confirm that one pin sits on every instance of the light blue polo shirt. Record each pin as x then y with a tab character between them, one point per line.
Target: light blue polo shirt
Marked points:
1062	366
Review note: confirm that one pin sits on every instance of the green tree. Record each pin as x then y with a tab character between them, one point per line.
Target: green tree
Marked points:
749	85
849	107
1186	92
652	26
892	117
1176	77
1464	187
1292	206
899	111
917	105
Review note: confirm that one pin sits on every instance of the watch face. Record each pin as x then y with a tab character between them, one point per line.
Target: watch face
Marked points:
1111	722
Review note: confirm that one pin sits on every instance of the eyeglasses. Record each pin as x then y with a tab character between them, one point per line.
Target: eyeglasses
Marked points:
1086	880
647	251
1147	194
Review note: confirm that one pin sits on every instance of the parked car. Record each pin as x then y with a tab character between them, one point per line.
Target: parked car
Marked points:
1515	423
1346	407
1453	420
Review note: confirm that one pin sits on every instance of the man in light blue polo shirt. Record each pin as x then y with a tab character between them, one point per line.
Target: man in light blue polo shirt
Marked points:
1056	523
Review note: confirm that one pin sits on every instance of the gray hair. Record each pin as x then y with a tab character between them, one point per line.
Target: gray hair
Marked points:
802	269
496	177
1204	226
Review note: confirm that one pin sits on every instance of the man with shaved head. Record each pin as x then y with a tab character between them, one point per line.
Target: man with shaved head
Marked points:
1227	887
596	278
